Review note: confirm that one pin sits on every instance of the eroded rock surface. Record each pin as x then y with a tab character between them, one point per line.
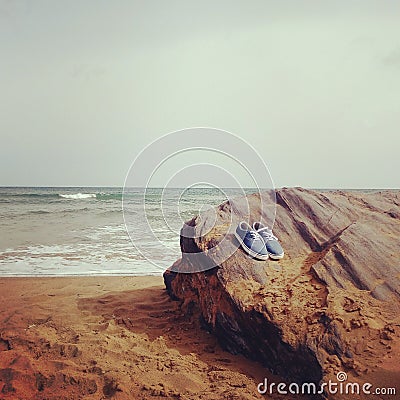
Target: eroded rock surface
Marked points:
332	304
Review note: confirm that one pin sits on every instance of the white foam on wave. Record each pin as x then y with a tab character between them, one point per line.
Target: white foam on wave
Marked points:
78	196
78	259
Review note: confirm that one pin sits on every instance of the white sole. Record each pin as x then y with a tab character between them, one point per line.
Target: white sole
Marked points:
249	251
275	257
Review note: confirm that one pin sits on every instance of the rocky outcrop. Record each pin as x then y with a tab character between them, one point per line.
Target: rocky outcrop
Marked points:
331	304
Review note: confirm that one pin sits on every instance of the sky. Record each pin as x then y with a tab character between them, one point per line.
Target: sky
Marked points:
313	86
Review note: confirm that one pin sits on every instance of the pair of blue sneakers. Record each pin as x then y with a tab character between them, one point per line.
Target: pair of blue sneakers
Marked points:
259	241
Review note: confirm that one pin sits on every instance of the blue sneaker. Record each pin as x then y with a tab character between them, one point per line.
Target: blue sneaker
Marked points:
272	245
251	242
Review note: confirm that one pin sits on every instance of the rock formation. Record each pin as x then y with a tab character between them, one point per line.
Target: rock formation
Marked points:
332	304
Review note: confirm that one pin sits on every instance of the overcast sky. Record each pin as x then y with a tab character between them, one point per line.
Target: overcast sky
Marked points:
313	85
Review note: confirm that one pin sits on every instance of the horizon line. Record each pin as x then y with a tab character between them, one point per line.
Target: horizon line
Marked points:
197	187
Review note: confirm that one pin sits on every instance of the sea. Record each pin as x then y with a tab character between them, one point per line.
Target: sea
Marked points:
57	231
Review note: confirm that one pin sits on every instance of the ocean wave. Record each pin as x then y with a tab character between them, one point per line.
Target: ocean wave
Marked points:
98	196
109	196
33	195
4	197
78	196
39	212
59	211
8	197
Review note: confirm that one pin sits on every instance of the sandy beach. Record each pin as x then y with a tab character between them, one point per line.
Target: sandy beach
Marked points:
199	201
329	307
111	337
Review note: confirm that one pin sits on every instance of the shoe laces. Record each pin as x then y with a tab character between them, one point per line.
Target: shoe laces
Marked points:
267	233
254	235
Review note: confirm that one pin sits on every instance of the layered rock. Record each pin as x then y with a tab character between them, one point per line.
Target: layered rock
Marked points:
331	304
